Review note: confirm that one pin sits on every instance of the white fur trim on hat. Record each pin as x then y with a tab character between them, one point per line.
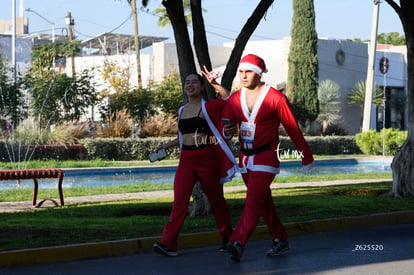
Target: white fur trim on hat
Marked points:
251	67
254	63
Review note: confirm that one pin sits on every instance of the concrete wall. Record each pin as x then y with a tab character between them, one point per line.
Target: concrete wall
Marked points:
96	63
345	63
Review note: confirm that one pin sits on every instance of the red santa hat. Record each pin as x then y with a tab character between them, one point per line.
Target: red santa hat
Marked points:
254	63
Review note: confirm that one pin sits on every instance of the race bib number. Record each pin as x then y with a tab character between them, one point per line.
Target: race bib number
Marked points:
247	131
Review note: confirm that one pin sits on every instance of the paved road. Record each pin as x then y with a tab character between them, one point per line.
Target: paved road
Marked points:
331	252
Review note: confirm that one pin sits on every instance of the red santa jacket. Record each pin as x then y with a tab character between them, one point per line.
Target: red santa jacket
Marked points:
259	129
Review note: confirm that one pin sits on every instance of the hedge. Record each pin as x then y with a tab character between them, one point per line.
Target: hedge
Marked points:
125	149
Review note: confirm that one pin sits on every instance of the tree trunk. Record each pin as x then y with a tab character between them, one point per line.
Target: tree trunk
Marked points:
200	205
402	169
241	41
200	42
403	163
185	55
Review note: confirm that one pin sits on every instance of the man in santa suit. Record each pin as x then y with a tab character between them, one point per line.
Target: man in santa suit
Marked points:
258	110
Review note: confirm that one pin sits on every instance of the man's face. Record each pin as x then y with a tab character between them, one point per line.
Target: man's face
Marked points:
248	78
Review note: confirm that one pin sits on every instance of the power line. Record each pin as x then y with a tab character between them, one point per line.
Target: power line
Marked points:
120	25
111	31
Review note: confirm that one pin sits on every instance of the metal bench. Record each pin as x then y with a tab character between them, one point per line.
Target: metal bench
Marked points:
35	174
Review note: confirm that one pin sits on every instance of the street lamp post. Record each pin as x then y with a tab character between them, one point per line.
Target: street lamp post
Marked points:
48	21
71	22
14	41
369	87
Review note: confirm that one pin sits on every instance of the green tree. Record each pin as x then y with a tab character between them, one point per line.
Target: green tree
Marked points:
164	97
168	94
13	107
328	96
302	82
57	97
137	102
44	55
391	38
356	96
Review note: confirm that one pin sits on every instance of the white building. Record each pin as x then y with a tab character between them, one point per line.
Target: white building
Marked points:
344	62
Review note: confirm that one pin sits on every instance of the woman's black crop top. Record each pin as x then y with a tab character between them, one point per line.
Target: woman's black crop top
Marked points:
193	125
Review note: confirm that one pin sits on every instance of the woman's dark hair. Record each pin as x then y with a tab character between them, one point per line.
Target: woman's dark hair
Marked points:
200	78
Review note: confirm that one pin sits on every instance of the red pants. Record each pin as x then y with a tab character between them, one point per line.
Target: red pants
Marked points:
197	165
259	203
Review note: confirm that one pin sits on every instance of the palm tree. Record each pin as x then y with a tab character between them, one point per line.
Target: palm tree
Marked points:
328	96
357	97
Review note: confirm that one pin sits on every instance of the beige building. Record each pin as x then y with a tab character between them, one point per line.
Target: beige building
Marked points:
22	26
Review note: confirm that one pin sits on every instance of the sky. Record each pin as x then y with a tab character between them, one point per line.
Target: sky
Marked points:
335	19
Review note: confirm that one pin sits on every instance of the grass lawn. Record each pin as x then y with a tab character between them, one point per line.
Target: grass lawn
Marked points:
95	222
117	220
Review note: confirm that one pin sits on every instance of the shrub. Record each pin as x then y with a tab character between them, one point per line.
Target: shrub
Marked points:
119	124
30	133
372	142
159	126
325	145
125	148
80	130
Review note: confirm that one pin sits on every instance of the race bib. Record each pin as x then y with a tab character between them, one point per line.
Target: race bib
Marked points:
247	130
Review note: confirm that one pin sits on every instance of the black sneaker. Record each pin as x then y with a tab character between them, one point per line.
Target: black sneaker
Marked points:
278	247
163	250
223	247
236	250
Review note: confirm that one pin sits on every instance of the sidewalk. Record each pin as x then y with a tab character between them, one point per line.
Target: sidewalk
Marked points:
27	205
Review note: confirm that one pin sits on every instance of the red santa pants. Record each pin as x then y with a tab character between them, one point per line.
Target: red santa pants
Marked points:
259	203
197	165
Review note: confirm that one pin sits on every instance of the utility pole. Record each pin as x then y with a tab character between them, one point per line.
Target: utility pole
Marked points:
13	53
136	39
371	69
71	22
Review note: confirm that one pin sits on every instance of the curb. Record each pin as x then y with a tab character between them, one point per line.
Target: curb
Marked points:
130	246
